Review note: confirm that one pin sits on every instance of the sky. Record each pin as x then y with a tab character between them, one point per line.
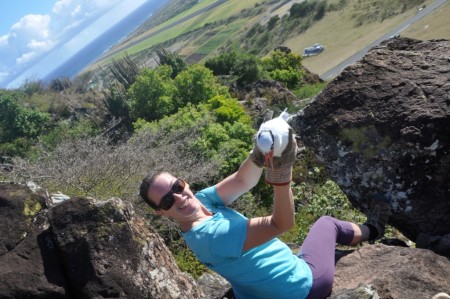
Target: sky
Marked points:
36	36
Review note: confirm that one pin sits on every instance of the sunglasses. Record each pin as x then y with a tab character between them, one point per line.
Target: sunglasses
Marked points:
168	200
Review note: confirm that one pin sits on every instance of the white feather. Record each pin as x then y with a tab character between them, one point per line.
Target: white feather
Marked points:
279	129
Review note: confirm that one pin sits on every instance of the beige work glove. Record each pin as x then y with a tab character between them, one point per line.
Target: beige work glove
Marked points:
281	171
257	156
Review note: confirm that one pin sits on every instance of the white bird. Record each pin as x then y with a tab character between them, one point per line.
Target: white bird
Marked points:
273	137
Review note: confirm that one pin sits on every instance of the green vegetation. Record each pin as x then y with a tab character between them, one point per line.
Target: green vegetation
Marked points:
308	91
284	67
19	126
32	206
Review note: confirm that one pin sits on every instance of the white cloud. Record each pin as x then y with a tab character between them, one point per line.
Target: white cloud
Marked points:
33	36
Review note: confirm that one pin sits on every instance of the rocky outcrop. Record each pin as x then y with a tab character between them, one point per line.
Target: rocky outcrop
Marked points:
391	272
382	127
28	268
82	248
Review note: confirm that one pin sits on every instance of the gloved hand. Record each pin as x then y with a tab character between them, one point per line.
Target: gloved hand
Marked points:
281	171
257	156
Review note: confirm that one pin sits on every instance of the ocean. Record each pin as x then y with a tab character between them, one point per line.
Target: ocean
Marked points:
96	48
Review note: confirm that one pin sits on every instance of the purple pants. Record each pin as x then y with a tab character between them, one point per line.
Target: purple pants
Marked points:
318	251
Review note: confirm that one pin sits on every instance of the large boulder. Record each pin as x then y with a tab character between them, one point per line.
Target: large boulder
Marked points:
382	127
107	251
392	272
28	265
82	248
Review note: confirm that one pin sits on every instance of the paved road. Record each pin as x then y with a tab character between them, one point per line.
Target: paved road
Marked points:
352	59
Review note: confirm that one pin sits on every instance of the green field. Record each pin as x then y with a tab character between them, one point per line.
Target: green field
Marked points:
218	39
336	31
219	13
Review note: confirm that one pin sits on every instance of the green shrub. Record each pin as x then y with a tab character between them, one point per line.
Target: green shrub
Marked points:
284	67
272	22
152	95
16	121
196	84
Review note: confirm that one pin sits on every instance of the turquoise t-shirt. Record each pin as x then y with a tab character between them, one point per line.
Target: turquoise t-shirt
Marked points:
267	271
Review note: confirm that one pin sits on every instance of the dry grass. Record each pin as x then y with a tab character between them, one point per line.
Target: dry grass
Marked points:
436	25
340	37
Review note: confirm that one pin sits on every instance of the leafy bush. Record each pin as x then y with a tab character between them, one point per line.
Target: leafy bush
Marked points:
272	22
152	95
284	67
19	126
196	84
222	64
302	9
243	68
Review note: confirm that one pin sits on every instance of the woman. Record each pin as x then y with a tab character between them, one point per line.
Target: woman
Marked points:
246	251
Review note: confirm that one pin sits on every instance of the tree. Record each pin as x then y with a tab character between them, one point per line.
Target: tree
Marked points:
302	9
272	22
222	64
172	59
197	84
321	9
60	84
152	95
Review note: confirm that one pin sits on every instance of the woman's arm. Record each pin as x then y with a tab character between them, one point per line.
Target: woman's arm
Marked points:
262	229
239	182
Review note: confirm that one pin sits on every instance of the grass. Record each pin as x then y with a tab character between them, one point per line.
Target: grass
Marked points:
308	91
436	25
193	9
340	37
222	12
218	39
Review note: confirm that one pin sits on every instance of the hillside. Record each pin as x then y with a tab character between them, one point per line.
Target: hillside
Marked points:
200	32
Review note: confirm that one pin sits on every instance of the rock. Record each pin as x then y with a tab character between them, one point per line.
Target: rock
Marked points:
361	292
82	248
109	252
392	272
382	126
29	268
215	285
274	92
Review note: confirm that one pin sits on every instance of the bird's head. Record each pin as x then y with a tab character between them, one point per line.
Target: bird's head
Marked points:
264	140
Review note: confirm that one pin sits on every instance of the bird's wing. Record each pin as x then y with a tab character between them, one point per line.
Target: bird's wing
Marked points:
280	132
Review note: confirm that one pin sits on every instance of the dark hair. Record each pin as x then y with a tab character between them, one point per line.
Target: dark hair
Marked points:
145	185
